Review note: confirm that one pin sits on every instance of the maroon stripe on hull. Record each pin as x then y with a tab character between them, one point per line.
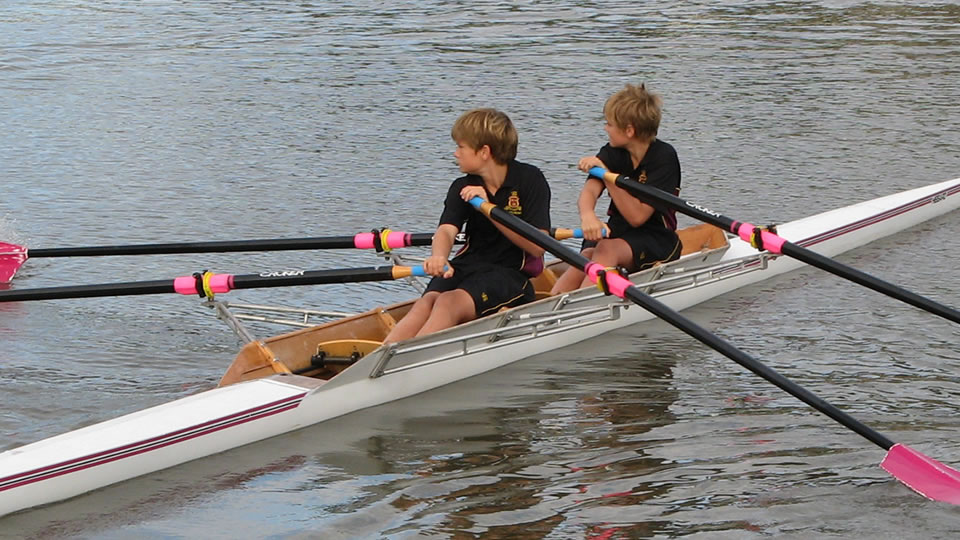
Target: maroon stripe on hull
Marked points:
871	220
892	213
147	445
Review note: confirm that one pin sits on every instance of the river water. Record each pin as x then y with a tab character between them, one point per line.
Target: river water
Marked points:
130	122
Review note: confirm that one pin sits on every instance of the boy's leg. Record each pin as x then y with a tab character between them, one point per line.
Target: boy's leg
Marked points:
610	252
571	278
411	323
449	309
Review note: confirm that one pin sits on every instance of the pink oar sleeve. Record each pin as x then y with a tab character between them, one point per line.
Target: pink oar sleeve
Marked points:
185	285
395	239
616	283
219	283
363	241
771	242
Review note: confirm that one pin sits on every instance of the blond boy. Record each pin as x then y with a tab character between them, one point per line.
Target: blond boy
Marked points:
641	235
494	267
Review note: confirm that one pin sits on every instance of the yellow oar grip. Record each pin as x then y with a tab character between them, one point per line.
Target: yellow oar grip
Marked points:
401	272
487	207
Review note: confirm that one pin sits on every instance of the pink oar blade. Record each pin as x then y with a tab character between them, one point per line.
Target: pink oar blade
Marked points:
12	258
923	474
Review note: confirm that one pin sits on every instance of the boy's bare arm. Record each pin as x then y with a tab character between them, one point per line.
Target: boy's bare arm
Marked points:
438	261
587	206
633	210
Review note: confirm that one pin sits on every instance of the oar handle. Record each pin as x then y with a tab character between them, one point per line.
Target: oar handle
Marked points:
562	234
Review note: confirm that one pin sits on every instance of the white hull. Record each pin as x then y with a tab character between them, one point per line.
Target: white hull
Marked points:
213	421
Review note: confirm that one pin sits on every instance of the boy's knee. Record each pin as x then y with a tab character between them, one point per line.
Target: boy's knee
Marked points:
457	302
605	252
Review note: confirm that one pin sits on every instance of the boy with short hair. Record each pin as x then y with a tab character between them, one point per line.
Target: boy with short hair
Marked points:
494	267
640	234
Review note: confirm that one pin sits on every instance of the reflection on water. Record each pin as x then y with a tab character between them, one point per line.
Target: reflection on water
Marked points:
127	122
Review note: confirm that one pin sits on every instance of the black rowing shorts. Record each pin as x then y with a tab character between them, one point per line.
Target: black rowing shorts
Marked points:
491	287
648	249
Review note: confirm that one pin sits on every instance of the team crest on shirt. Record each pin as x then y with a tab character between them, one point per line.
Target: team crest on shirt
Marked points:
643	177
513	204
484	297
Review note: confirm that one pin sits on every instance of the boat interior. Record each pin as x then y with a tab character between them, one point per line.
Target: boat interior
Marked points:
322	351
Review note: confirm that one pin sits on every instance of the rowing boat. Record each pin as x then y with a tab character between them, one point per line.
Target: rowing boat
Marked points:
300	378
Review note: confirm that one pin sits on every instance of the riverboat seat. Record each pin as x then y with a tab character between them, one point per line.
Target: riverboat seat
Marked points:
339	354
702	237
544	282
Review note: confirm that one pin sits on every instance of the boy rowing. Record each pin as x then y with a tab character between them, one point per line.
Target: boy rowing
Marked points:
641	235
494	267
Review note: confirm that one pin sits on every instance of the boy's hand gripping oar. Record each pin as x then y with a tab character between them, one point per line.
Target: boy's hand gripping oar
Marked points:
12	256
205	284
764	239
919	472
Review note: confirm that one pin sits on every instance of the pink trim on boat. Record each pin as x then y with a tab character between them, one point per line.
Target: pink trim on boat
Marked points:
147	445
923	474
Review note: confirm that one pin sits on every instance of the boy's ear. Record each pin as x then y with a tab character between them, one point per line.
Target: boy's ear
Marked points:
630	132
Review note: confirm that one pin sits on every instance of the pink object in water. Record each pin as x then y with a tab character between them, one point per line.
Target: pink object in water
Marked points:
923	474
12	258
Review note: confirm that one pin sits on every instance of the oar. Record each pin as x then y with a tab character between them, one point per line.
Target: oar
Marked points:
764	239
12	256
919	472
381	240
205	284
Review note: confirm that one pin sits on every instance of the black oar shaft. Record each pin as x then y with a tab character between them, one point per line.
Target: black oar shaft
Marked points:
790	249
311	277
243	281
716	343
706	337
274	244
130	288
862	278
